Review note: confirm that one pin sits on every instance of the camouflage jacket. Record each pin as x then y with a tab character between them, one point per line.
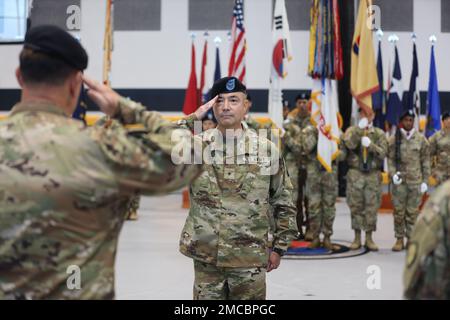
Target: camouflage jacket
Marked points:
414	165
427	270
64	190
376	152
440	153
252	123
309	138
228	222
291	139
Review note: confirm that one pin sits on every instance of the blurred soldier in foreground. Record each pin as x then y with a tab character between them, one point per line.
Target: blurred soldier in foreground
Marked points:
409	169
440	151
296	159
244	185
367	147
427	270
64	188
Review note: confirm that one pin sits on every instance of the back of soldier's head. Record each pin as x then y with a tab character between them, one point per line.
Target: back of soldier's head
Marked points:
50	55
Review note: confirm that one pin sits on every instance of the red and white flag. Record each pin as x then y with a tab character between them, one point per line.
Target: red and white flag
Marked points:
236	66
281	55
191	101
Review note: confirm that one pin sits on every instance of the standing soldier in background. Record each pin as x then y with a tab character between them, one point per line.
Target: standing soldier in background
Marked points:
322	188
65	187
296	159
426	274
251	122
440	151
367	147
244	182
209	121
409	169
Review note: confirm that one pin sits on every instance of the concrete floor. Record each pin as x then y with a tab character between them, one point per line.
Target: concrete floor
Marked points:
149	265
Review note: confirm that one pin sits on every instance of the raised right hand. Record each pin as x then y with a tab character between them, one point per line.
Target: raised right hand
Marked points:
203	110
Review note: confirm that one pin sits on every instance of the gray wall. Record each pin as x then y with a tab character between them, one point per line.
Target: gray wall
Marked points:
161	59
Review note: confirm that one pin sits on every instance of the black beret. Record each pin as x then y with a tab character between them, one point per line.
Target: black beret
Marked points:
302	96
227	85
57	43
445	115
408	113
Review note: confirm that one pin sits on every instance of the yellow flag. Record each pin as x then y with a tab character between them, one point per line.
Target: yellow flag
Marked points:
314	14
364	79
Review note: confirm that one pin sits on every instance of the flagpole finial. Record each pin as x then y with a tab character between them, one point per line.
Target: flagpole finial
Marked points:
393	38
193	35
229	35
413	36
206	34
217	41
380	34
433	39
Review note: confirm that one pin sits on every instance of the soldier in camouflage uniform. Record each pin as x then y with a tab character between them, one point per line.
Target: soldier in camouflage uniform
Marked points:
426	274
227	230
322	188
366	149
409	169
251	122
255	125
440	151
296	160
64	187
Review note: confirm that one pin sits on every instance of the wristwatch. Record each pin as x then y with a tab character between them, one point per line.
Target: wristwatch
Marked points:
279	251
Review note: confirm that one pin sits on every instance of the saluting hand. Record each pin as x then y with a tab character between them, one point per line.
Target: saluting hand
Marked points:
203	110
103	96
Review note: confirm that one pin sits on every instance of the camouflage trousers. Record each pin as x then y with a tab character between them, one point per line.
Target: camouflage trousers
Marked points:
216	283
298	179
406	200
364	198
323	190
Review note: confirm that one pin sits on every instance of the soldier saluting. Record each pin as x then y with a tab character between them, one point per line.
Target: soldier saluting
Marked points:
243	187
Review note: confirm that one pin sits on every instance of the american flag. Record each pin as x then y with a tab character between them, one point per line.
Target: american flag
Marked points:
236	67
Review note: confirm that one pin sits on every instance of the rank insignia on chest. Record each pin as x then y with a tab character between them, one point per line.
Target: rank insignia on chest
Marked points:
229	173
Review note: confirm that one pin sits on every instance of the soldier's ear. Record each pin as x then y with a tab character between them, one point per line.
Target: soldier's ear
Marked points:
75	83
246	105
19	77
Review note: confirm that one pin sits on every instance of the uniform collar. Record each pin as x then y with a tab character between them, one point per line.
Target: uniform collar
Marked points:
37	107
408	134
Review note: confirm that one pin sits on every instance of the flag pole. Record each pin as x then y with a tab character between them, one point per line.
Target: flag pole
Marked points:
108	43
